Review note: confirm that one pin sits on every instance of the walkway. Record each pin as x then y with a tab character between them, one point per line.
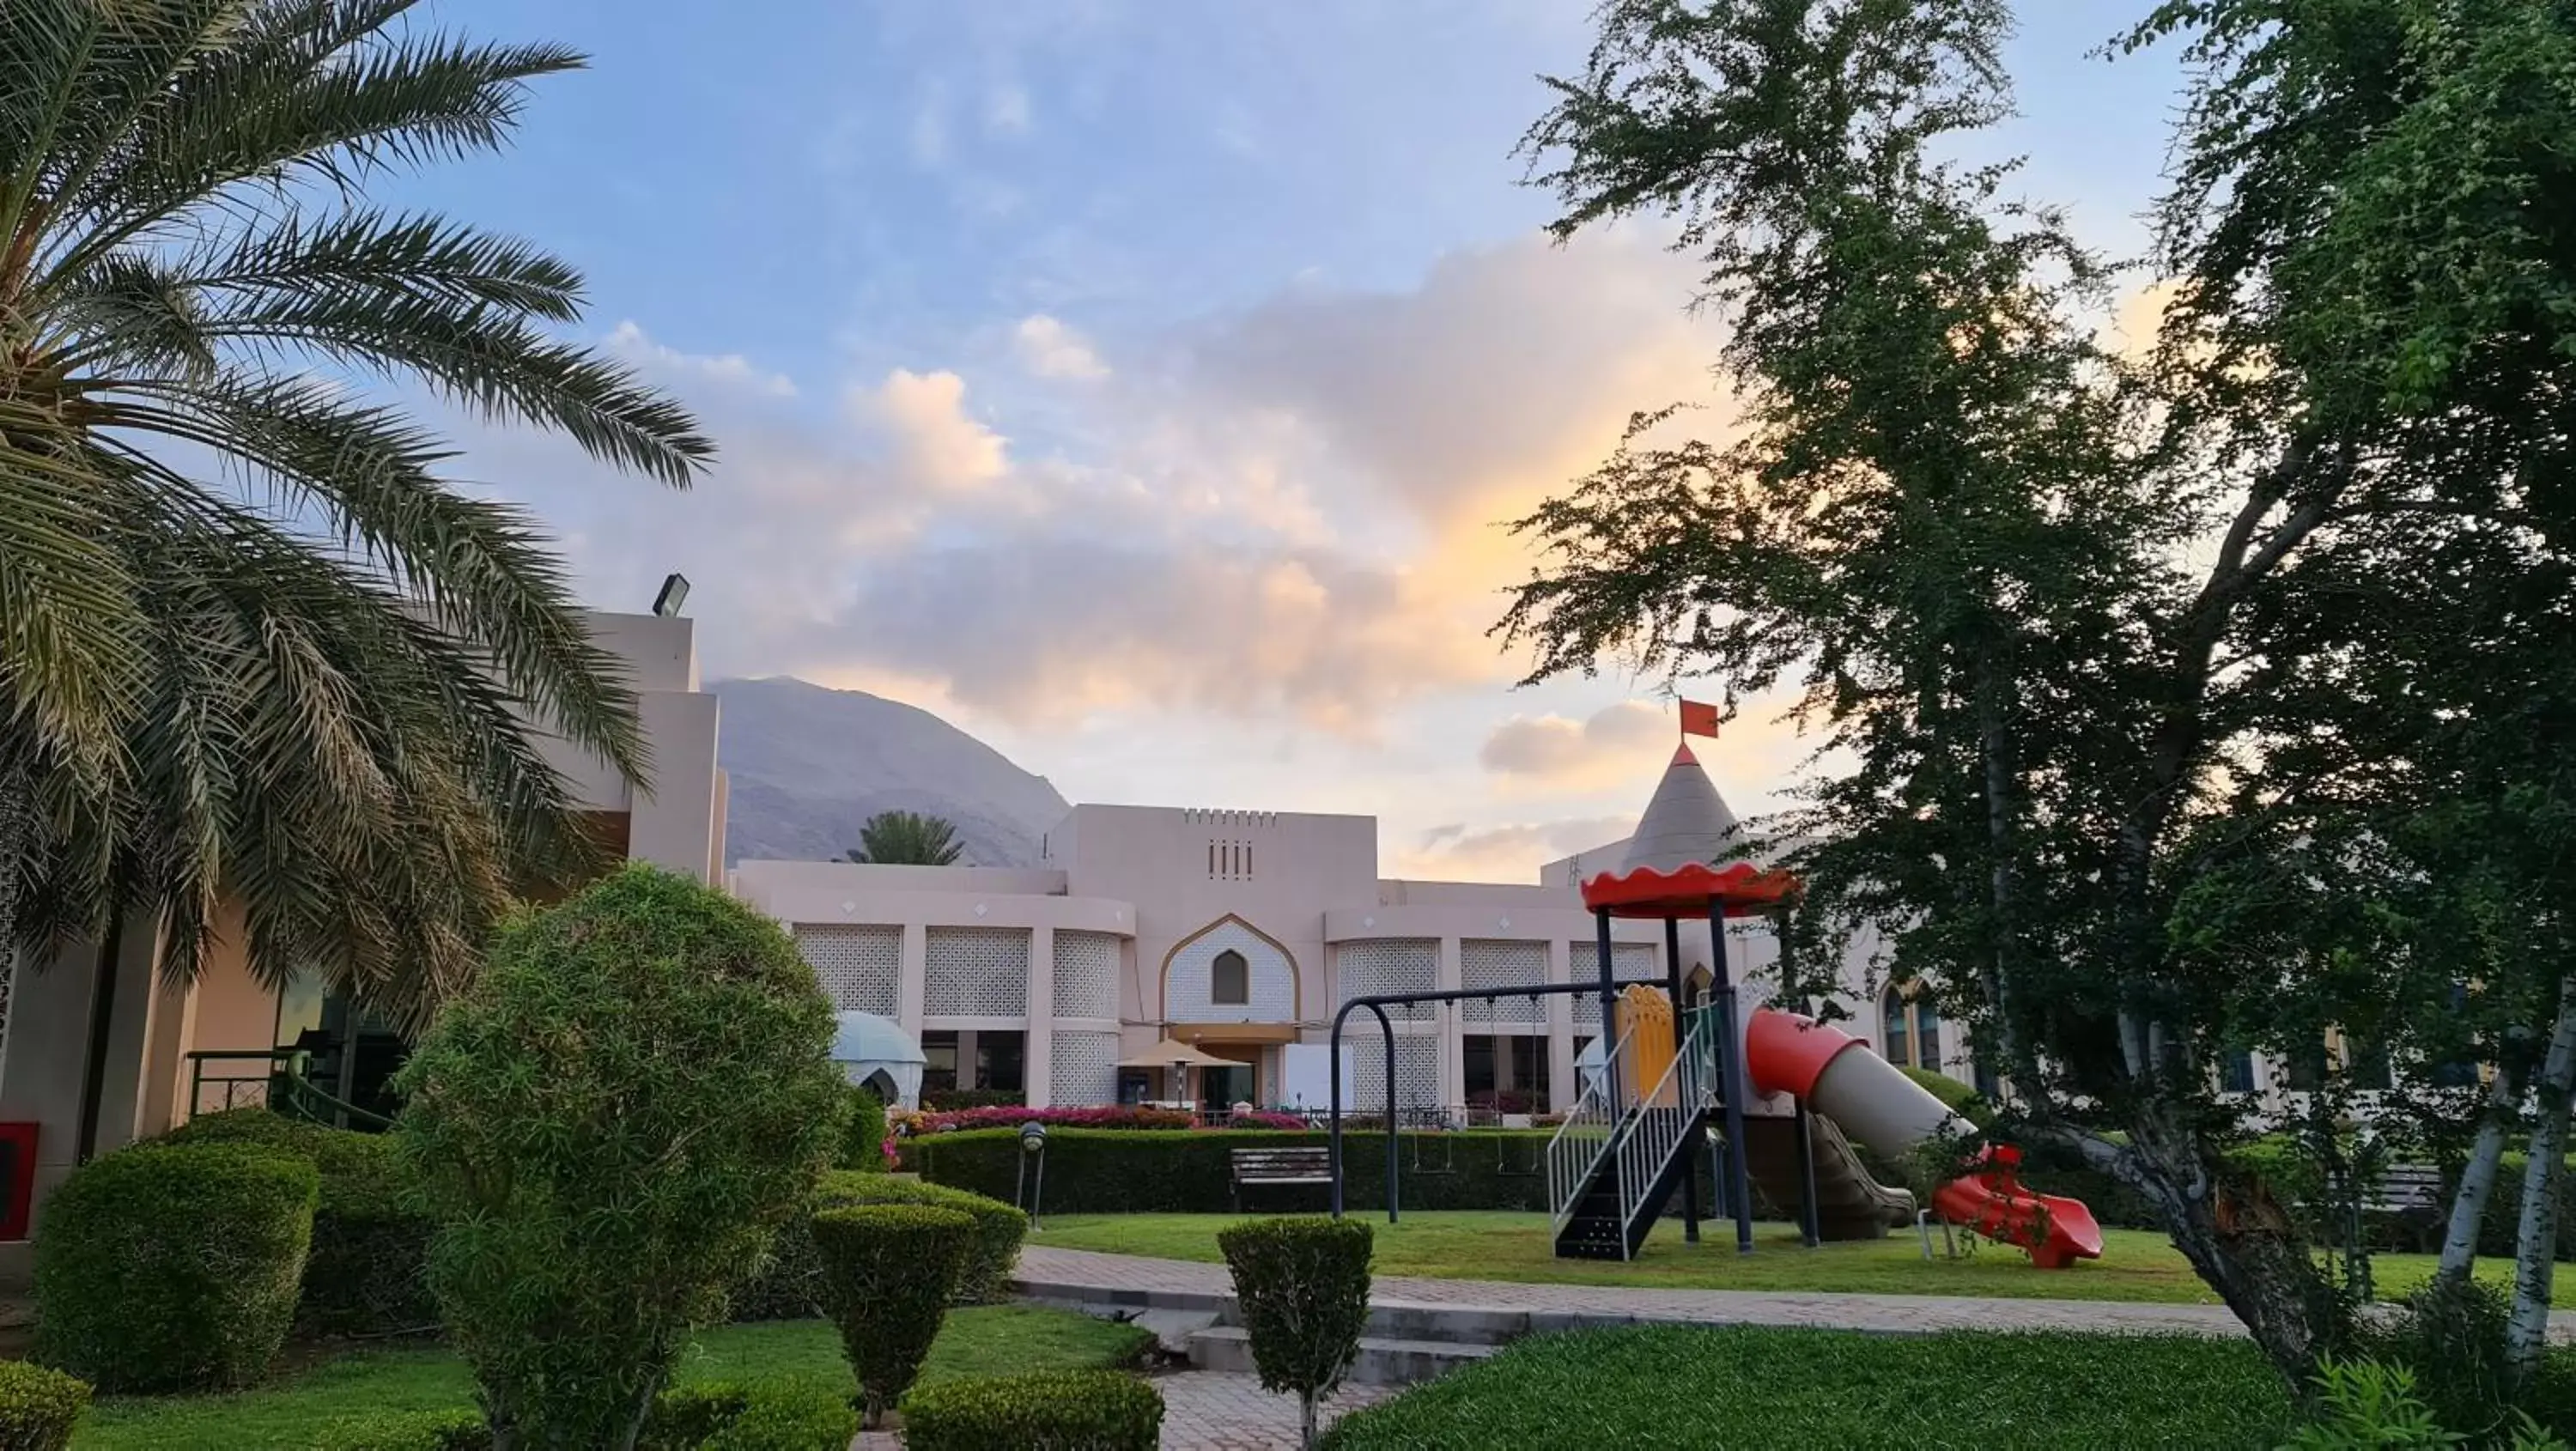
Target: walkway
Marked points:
1079	1275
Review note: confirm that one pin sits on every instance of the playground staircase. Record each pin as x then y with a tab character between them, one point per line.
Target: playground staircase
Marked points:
1622	1150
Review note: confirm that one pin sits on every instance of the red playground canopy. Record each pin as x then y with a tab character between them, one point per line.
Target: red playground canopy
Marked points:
1668	872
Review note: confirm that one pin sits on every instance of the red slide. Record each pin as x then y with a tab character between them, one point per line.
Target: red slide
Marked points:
2056	1230
1877	1104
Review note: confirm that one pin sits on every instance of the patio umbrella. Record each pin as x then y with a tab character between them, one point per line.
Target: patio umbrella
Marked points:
1173	1053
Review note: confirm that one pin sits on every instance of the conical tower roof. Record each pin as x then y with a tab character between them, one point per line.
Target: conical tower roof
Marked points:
1687	821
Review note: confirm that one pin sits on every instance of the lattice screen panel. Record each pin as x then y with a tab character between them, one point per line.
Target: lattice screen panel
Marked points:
1632	961
1492	963
1084	1068
1391	965
1086	977
976	972
858	965
1417	1071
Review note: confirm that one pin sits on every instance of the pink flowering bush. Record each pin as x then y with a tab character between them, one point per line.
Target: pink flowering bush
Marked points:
1102	1116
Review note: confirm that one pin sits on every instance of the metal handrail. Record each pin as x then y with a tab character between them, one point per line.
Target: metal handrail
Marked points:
1663	1118
1590	1130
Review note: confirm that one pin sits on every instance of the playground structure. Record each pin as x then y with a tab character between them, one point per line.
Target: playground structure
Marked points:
1672	1073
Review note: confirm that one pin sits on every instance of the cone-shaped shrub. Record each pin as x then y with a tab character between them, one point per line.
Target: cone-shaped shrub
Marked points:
1303	1285
888	1273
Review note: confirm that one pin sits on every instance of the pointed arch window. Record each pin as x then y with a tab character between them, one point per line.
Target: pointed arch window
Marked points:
1230	980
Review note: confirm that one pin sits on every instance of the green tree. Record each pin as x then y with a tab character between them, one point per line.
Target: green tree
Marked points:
256	645
907	838
610	1126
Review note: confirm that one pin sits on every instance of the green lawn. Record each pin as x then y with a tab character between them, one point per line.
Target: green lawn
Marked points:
286	1414
1690	1387
2135	1264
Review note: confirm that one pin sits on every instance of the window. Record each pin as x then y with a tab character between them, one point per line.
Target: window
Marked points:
1990	1085
2236	1071
1891	1017
2366	1063
2307	1069
1230	979
1927	1035
1000	1058
939	1066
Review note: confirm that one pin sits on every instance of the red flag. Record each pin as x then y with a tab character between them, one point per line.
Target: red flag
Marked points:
1699	719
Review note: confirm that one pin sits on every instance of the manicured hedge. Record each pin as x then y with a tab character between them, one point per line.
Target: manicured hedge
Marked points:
1108	1171
785	1415
368	1271
1059	1410
173	1268
1677	1386
788	1285
38	1407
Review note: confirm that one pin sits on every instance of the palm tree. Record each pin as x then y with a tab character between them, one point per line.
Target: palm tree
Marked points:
253	644
906	838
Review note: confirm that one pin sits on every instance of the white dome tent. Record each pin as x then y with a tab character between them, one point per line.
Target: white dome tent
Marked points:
875	1052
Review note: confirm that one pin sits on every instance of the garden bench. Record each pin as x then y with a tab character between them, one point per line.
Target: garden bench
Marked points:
1280	1166
2406	1189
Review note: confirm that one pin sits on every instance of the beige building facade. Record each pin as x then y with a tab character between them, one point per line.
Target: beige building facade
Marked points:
1240	933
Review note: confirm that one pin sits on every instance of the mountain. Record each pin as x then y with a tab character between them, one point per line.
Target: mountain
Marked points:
810	765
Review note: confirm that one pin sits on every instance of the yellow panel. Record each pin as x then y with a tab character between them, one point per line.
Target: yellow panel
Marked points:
1646	1018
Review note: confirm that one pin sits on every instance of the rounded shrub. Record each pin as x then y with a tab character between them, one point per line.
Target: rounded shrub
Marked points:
609	1127
368	1273
407	1431
863	1141
789	1284
783	1415
163	1269
888	1273
38	1407
1059	1410
1303	1286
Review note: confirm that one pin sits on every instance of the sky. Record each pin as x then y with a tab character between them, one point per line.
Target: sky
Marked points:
1141	386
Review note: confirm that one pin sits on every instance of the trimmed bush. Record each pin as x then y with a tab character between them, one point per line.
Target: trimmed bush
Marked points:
1303	1286
368	1273
163	1269
789	1285
944	1100
1050	1410
408	1431
609	1126
863	1141
1759	1386
1959	1098
785	1415
888	1273
38	1407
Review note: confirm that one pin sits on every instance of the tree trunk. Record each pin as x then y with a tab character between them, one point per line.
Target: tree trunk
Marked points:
17	821
2249	1252
1994	749
2526	1332
1306	1419
2477	1185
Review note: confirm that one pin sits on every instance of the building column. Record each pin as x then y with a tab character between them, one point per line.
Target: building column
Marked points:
1561	1081
911	978
123	1100
1037	1043
1450	1021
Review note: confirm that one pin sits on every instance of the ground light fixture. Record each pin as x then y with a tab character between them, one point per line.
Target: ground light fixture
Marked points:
1032	1180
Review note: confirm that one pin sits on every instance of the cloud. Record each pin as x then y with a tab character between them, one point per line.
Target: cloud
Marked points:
1241	525
731	370
1006	110
1507	853
1551	746
1050	349
925	416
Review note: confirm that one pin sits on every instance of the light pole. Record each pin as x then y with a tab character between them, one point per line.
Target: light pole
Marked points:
1032	1152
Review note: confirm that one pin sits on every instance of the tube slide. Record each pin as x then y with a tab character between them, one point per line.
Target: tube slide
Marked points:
1877	1104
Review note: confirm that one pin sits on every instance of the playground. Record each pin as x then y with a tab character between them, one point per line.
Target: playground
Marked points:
1783	1102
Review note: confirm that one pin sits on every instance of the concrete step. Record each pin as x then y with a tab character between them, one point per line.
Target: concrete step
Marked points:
1383	1360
